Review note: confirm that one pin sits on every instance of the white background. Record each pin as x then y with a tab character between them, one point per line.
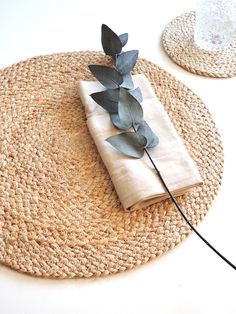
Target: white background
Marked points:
190	278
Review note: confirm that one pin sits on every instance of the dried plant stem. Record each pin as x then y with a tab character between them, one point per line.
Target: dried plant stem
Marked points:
182	213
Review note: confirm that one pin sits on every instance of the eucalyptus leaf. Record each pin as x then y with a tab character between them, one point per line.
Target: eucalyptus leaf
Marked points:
137	94
124	39
108	99
117	122
111	42
129	109
127	81
109	77
145	130
129	143
126	61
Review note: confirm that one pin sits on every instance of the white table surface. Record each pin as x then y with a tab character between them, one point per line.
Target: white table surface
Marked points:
188	279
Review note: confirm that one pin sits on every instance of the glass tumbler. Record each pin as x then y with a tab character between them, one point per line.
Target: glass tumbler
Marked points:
215	24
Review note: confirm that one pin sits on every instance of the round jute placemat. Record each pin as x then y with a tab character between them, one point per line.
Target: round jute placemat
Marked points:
178	42
60	216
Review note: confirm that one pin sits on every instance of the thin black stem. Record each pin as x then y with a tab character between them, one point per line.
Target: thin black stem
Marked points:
182	213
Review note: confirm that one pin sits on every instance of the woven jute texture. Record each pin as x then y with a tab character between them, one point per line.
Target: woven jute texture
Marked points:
60	216
178	42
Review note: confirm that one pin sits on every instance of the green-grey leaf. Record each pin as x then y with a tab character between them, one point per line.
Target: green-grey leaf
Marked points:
137	94
108	99
129	109
127	82
111	42
145	130
130	143
126	61
124	39
109	77
117	123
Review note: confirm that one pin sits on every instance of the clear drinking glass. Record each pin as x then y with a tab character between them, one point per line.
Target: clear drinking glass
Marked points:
215	24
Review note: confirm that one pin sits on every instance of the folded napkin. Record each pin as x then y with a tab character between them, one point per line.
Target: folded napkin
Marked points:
135	180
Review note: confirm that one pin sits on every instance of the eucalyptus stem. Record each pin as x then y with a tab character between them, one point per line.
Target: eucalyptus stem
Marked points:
182	213
120	79
180	210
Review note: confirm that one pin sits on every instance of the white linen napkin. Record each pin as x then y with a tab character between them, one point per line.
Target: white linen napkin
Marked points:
135	180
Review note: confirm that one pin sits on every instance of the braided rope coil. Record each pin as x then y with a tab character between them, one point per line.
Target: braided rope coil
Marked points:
178	42
59	214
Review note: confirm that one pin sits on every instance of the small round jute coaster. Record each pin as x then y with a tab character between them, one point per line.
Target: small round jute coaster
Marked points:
178	42
59	213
